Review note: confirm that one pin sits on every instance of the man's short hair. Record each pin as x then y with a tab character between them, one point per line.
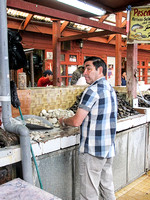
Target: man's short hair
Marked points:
49	72
97	62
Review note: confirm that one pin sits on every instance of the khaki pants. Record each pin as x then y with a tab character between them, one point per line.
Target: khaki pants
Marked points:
96	180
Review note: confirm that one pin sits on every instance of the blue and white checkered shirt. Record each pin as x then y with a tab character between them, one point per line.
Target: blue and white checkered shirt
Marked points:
98	129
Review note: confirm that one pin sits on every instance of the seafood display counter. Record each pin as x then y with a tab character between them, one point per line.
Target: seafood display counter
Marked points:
56	153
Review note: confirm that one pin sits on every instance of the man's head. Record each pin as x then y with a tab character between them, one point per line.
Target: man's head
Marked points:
95	68
124	74
48	73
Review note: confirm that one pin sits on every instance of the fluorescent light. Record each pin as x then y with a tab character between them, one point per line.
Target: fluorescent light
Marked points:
84	6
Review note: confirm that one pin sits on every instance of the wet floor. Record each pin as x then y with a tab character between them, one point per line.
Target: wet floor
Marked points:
137	190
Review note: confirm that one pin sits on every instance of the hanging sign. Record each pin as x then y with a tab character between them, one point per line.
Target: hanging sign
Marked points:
139	24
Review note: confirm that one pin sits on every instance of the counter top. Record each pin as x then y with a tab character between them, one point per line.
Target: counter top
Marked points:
48	141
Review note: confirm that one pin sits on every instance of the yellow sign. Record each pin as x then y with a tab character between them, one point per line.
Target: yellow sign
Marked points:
140	24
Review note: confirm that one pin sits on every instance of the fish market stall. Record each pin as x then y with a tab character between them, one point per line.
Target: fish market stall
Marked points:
56	150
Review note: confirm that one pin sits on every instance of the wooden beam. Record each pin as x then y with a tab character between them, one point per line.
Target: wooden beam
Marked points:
124	15
132	54
100	20
111	37
49	12
122	25
144	47
56	53
27	21
63	26
118	52
36	27
85	35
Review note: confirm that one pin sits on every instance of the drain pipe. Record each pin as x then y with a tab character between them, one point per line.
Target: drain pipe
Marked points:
7	119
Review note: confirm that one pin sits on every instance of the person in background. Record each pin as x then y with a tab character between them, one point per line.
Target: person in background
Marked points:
97	118
77	74
46	79
123	78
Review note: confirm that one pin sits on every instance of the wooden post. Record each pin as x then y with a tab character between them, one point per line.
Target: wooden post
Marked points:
132	54
32	69
56	53
118	51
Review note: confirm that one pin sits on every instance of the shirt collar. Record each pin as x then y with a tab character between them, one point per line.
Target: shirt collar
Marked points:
103	77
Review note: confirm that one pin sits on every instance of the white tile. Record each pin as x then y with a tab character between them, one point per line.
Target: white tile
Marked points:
139	120
37	149
10	155
68	141
51	145
78	139
124	124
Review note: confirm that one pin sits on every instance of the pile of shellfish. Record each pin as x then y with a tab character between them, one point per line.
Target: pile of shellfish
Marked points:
144	101
53	115
124	108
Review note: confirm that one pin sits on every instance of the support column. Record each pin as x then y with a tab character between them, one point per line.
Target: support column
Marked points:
56	53
32	69
132	54
118	51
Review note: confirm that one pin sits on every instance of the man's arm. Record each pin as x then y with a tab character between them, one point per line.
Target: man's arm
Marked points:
76	120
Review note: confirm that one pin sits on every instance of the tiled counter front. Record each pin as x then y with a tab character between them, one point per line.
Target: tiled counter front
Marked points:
33	100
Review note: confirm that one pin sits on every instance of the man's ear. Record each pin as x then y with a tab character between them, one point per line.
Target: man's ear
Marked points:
100	70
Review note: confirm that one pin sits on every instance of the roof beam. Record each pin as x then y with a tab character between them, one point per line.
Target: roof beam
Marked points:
85	35
63	26
49	12
122	25
111	37
124	14
27	21
100	20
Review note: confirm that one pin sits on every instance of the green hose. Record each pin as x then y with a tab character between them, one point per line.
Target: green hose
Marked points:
37	170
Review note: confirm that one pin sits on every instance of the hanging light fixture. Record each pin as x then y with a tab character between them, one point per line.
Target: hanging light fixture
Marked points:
84	6
81	44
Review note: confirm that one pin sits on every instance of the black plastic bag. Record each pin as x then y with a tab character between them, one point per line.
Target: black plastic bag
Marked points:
14	96
17	57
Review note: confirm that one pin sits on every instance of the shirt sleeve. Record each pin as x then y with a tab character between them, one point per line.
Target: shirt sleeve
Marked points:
88	99
45	80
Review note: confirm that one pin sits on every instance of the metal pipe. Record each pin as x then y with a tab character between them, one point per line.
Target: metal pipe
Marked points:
8	123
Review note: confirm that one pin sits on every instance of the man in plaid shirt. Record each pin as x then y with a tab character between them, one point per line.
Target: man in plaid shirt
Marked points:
97	118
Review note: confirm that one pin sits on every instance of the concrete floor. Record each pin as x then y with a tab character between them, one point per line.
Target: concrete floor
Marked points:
137	190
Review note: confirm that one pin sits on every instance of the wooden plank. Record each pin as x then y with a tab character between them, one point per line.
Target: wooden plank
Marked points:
56	53
100	20
132	53
85	35
118	52
27	21
63	26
